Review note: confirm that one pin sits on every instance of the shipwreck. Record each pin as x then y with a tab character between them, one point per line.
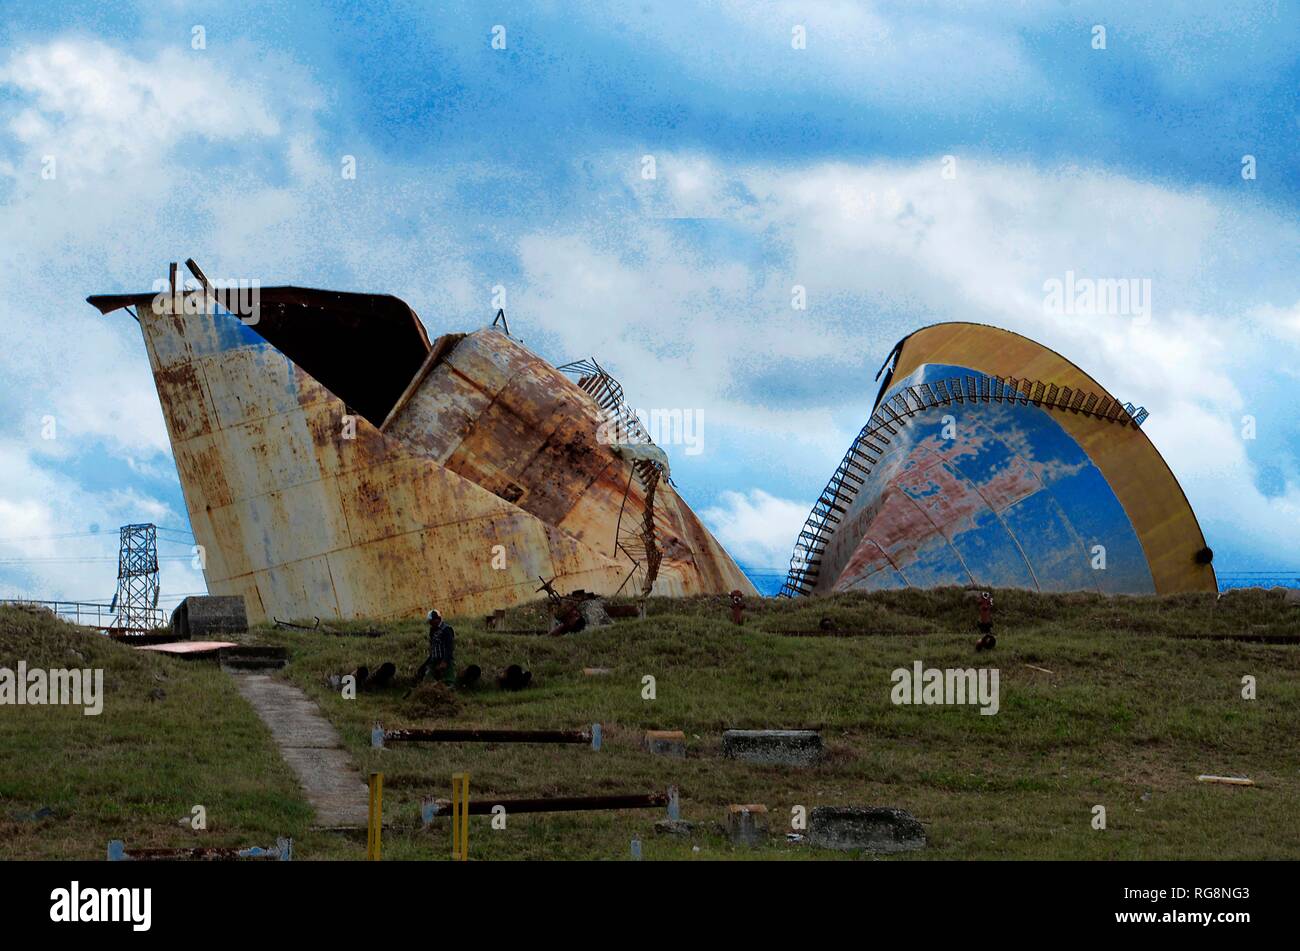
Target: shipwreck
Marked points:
990	460
336	462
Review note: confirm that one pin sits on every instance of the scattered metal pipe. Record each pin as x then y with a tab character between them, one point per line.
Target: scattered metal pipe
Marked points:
296	627
483	807
379	736
282	850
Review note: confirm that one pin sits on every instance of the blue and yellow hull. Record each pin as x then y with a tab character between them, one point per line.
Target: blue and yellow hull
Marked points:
990	460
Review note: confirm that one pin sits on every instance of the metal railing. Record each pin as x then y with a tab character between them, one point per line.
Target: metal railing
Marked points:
103	617
637	535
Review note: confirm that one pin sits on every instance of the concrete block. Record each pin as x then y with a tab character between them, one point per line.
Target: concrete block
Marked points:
206	615
866	829
747	824
594	613
773	747
248	657
674	827
666	743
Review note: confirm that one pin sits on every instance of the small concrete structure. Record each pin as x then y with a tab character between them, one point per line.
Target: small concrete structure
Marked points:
249	657
666	743
206	615
773	747
875	829
594	613
677	827
747	824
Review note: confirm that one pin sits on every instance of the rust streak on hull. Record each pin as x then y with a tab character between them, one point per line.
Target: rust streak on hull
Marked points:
306	507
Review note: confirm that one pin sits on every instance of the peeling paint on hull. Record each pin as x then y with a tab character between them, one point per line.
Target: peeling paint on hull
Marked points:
967	477
997	496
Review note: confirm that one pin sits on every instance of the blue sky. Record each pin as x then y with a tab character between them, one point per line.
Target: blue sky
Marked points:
522	167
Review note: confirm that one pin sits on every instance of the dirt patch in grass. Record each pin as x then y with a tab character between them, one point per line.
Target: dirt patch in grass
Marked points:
432	701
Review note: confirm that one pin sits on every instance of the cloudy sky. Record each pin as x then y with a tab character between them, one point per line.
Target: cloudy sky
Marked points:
904	163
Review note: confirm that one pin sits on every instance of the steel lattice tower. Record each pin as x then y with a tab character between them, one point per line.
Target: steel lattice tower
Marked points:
137	579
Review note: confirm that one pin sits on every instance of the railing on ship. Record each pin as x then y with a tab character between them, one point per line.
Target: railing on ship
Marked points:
869	446
637	534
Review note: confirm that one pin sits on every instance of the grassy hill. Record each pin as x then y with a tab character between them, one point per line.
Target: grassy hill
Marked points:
1132	702
172	735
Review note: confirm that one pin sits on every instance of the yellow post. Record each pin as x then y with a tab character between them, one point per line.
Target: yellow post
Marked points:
374	835
460	817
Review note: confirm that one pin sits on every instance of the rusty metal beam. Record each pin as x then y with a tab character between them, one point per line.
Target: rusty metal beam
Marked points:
489	736
484	806
282	851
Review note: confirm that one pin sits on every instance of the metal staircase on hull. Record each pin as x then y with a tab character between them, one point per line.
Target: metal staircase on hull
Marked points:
638	535
890	415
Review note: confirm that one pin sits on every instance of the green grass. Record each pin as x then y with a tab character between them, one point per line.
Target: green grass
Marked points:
137	768
1135	708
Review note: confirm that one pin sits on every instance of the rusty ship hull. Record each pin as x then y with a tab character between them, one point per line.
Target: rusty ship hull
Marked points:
337	463
992	461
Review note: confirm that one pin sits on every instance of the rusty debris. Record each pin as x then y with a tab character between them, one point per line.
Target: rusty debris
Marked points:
282	851
484	806
297	627
488	736
577	611
737	607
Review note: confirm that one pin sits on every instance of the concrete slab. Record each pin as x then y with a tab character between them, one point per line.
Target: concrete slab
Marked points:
867	829
312	748
674	827
188	648
773	747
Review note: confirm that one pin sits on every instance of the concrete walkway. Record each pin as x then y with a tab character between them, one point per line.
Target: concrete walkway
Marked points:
312	748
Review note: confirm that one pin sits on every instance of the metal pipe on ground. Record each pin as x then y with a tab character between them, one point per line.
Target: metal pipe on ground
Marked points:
281	851
484	807
379	737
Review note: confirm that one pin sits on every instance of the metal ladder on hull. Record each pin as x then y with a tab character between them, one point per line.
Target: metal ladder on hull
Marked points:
891	415
639	535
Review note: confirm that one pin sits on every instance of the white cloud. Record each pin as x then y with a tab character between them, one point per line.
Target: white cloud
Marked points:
118	203
47	550
689	313
757	528
887	247
894	59
98	109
